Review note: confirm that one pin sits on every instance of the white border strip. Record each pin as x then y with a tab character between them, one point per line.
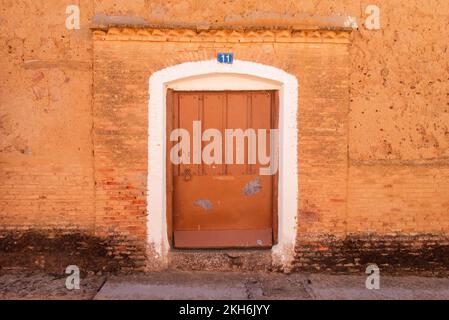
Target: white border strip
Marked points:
283	252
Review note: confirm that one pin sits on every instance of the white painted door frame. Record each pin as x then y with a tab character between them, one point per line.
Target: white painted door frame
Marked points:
250	76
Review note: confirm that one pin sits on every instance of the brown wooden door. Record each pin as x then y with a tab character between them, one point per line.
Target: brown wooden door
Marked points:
221	205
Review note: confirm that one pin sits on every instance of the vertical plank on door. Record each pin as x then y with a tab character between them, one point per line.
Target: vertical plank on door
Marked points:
237	118
189	110
213	105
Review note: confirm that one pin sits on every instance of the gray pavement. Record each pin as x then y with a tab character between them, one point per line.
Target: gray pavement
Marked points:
219	286
224	286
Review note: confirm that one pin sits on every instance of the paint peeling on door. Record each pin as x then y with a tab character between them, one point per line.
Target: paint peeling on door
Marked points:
252	187
205	204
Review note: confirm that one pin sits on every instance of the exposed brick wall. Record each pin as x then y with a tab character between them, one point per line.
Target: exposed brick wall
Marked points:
65	194
410	199
394	253
120	139
53	249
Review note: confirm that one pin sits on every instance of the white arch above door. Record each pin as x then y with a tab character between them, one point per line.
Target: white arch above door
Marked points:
223	81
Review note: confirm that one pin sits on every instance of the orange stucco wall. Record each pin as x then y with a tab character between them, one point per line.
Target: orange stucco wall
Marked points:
373	150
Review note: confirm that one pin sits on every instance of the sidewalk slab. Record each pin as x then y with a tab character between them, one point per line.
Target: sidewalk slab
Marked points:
263	286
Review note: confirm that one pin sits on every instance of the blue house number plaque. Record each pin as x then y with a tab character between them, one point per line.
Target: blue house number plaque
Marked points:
225	57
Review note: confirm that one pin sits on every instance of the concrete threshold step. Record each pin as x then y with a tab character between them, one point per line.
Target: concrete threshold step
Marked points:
220	260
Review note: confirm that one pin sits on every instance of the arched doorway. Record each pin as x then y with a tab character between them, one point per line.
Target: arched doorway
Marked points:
210	75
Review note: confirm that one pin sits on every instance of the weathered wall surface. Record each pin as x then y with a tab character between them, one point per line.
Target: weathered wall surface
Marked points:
45	121
121	130
396	181
46	167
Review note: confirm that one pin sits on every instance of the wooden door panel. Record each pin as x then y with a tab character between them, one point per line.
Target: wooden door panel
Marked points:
262	119
227	203
189	110
224	239
222	205
237	116
214	108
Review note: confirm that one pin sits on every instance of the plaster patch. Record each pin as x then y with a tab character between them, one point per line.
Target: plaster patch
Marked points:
205	204
252	187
